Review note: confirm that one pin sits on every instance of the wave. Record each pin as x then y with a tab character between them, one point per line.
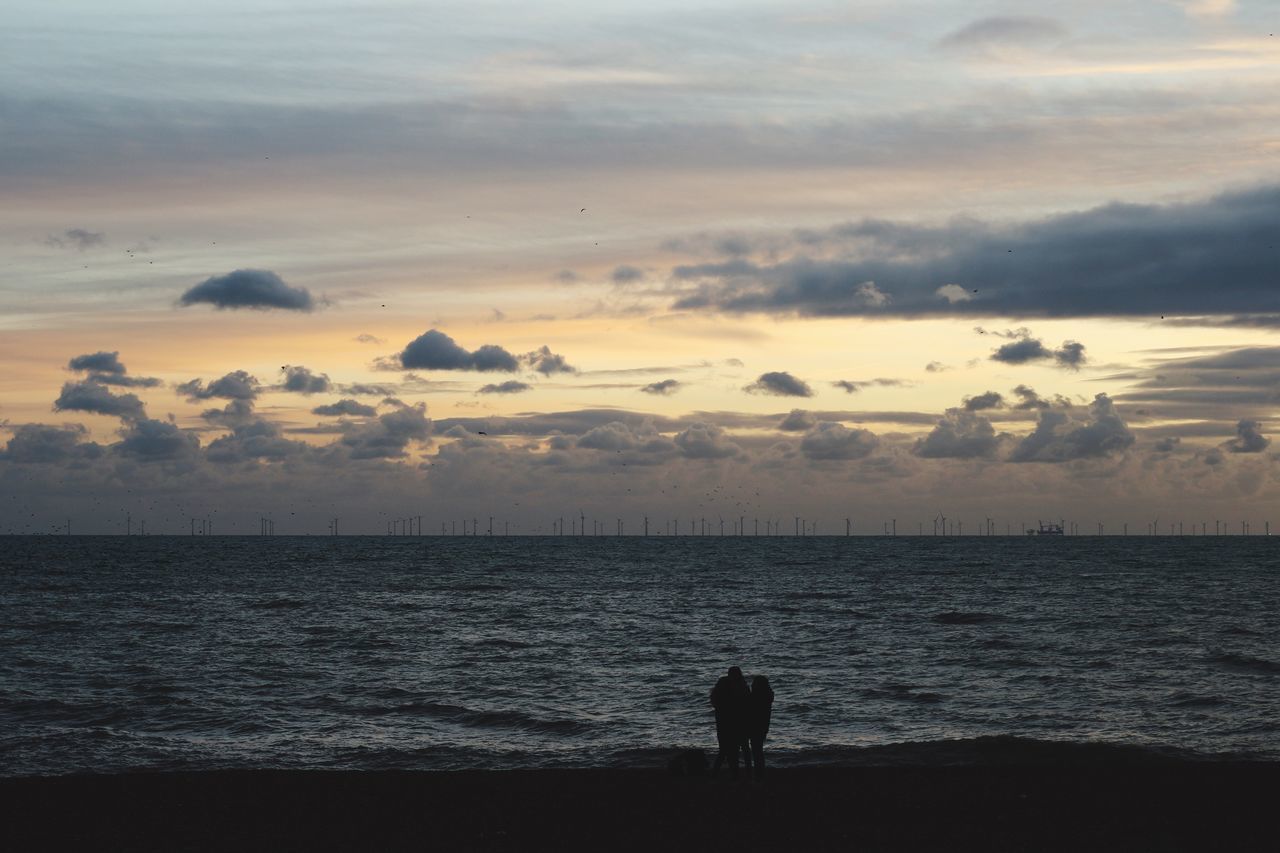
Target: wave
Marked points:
278	604
479	719
987	750
1247	663
963	617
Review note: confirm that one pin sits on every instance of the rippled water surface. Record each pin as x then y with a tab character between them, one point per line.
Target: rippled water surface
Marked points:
460	652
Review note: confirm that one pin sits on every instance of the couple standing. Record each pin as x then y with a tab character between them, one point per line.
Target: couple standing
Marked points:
742	720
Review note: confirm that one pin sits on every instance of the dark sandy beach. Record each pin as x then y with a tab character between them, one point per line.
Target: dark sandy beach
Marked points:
1102	806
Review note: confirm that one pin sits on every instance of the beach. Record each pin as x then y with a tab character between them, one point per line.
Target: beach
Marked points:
1173	805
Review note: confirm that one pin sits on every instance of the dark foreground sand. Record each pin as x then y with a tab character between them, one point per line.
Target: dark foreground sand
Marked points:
1173	806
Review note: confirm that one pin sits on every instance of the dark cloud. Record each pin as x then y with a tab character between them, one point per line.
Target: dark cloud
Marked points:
779	384
93	397
389	436
852	386
345	407
98	362
1026	349
991	34
798	420
153	440
936	367
1209	258
366	338
665	388
301	380
257	289
829	440
626	274
546	362
631	438
105	368
1028	399
1056	439
237	385
705	441
434	350
989	400
365	389
79	239
1233	384
511	386
960	434
46	444
256	439
1167	444
235	413
1249	438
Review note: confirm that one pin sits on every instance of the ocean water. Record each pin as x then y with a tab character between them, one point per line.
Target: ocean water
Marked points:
200	652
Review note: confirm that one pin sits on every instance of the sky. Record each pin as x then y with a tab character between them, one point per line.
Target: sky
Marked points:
721	260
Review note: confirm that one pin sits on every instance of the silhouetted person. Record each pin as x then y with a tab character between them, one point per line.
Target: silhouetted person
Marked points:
759	710
730	697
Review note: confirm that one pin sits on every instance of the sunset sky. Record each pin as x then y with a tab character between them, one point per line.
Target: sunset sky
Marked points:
861	260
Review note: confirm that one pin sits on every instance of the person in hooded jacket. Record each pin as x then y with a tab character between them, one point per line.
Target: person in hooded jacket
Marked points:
759	711
729	698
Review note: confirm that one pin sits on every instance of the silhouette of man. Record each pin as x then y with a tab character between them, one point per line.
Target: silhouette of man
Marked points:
759	710
729	698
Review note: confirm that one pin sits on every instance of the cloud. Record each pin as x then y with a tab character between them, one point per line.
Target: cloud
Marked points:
257	289
76	238
953	293
830	440
235	413
1249	438
546	362
255	439
95	398
1028	399
46	444
989	35
852	386
237	385
98	362
511	386
620	437
1026	349
705	441
366	338
105	368
989	400
665	388
626	274
1207	258
345	407
960	434
434	350
1057	440
779	384
152	440
798	420
389	436
301	380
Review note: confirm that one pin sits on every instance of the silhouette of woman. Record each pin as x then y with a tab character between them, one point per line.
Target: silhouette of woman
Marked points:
759	710
729	698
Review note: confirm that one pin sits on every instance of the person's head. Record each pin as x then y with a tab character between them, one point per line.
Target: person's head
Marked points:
759	683
735	672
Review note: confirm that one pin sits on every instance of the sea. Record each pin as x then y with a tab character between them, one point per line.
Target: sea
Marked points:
162	653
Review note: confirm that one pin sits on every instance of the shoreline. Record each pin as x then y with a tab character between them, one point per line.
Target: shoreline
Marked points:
1166	805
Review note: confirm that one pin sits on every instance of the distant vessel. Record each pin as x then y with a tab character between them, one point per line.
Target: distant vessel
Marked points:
1049	529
